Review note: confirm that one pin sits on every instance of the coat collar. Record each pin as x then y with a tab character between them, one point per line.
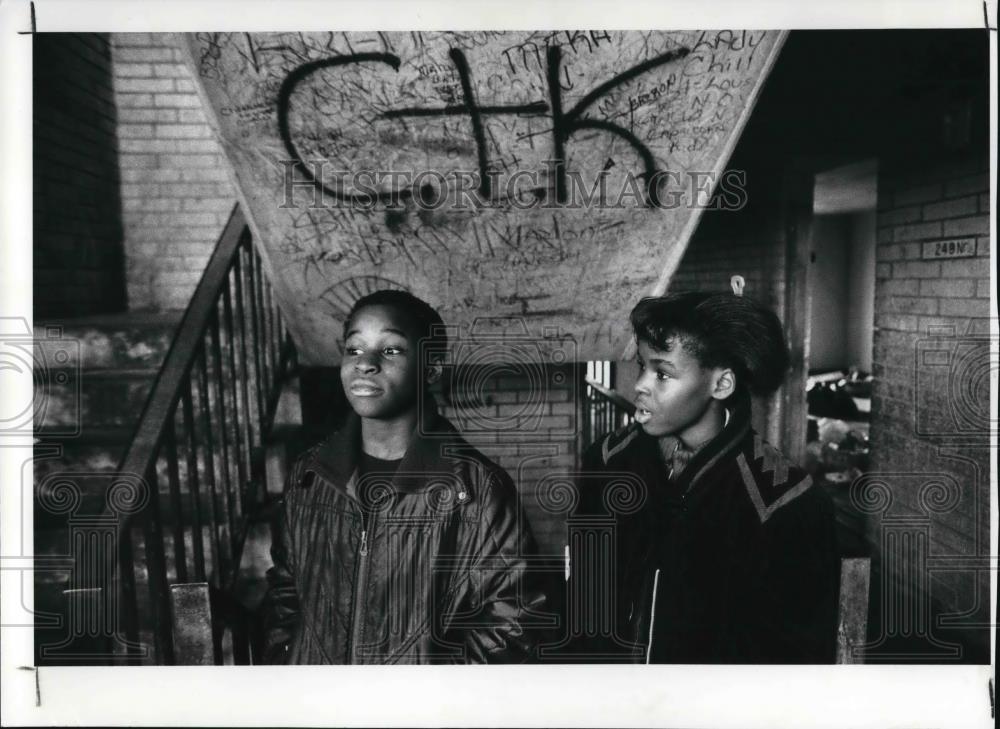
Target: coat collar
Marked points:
727	441
650	449
336	459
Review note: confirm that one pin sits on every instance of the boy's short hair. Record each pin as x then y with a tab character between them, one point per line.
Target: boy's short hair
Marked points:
718	330
426	322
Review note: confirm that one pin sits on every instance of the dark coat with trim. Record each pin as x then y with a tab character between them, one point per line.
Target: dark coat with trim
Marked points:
442	577
741	549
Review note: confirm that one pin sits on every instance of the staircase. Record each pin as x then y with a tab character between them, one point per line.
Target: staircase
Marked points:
156	450
92	401
96	375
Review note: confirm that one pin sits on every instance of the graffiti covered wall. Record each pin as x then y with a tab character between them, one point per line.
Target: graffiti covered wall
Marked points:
554	177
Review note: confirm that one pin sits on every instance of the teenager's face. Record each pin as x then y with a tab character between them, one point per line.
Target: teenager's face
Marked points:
673	392
380	371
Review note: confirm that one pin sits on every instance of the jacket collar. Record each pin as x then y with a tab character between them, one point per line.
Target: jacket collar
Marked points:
728	440
336	459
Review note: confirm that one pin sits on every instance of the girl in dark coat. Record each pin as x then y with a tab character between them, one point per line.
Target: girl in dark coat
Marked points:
726	552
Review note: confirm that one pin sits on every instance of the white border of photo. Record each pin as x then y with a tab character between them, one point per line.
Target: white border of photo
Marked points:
693	696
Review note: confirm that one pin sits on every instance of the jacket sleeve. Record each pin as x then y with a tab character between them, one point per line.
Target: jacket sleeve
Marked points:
511	594
281	610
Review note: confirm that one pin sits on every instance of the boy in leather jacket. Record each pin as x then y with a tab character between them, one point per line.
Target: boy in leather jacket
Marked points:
731	557
398	541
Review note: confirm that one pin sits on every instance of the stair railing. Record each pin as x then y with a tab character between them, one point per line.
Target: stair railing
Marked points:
604	411
198	448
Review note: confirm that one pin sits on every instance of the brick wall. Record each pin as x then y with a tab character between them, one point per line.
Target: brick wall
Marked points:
747	243
930	405
175	186
727	243
527	419
78	263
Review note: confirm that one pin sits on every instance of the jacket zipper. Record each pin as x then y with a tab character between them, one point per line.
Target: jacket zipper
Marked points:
360	578
652	615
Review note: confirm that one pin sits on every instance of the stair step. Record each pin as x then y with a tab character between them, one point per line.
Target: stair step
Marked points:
131	340
91	453
93	449
88	463
101	397
97	371
89	435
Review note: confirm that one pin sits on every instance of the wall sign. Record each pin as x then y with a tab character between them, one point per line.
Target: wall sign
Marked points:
954	248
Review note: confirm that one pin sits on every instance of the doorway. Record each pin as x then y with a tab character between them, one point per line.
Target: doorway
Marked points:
842	269
841	290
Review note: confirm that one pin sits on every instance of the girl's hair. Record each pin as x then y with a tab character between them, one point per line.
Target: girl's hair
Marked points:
426	322
719	330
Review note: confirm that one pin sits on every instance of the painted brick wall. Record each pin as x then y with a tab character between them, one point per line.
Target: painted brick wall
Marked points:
176	190
534	415
930	404
745	243
727	243
78	260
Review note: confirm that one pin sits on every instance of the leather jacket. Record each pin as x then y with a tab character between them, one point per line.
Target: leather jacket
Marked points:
438	576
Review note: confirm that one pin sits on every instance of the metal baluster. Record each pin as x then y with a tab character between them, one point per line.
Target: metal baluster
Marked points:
174	482
244	392
595	414
595	419
279	326
591	414
257	346
273	337
129	601
194	488
267	364
215	538
273	341
156	568
241	463
602	417
282	335
598	414
220	395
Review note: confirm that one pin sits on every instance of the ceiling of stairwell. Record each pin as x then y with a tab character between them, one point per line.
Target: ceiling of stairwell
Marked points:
501	176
